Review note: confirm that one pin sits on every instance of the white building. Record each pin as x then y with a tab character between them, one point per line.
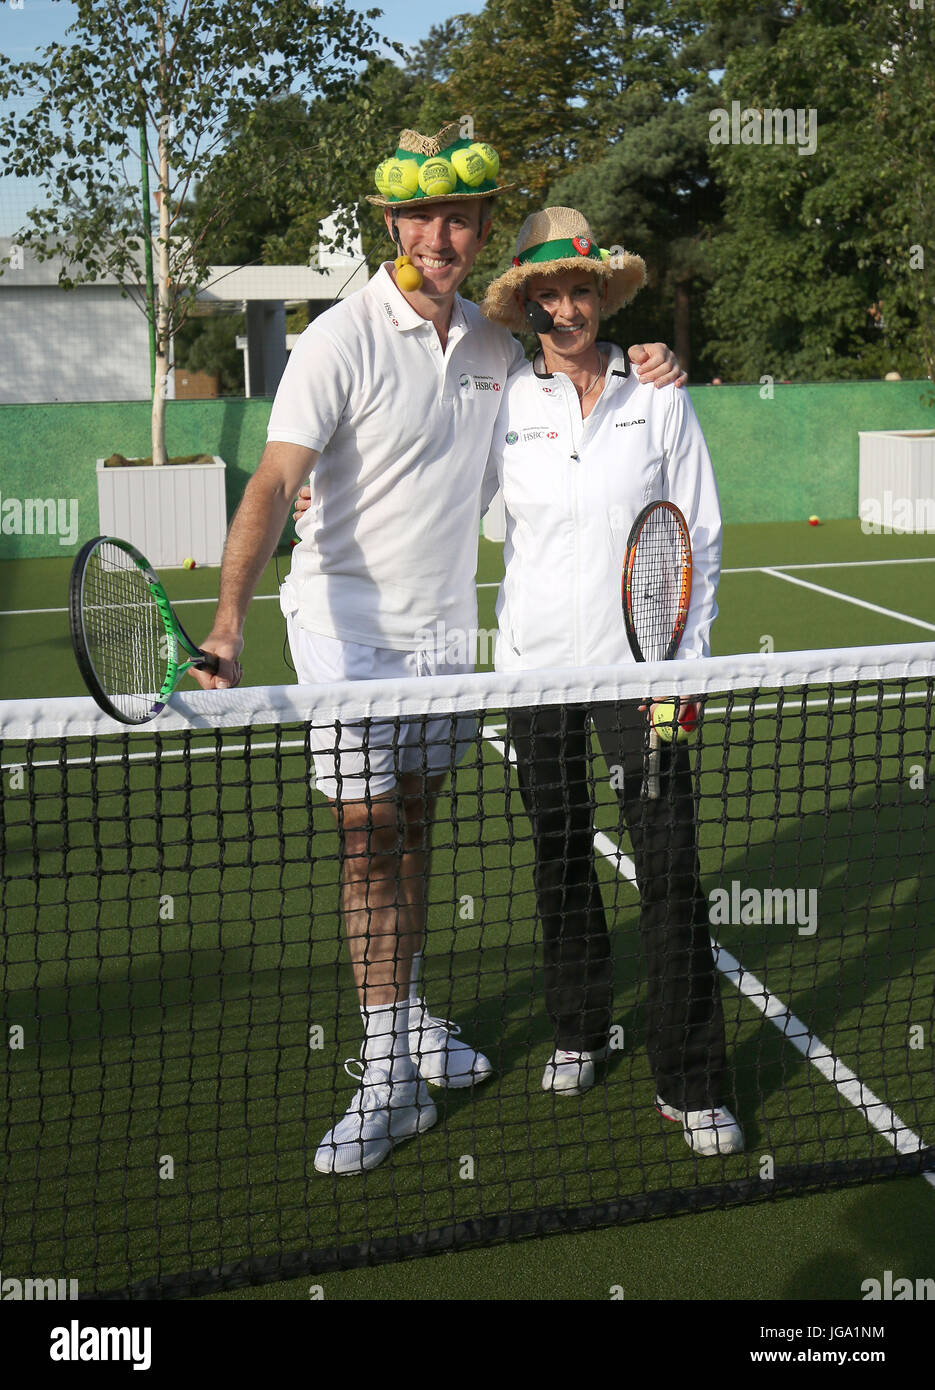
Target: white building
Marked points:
92	343
86	344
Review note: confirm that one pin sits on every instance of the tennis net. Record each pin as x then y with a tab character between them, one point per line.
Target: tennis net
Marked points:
179	1000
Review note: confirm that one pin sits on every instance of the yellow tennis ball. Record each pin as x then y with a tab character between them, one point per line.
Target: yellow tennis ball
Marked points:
469	166
402	178
407	276
437	178
188	564
379	178
664	720
489	155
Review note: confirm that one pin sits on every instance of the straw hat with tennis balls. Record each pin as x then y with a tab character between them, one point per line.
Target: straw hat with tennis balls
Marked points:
441	168
560	239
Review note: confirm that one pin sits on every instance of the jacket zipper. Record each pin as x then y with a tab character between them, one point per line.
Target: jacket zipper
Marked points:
575	473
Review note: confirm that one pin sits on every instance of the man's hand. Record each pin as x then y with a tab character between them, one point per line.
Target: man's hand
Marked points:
228	647
302	502
656	363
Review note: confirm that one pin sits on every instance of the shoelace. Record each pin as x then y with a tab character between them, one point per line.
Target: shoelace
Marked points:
445	1024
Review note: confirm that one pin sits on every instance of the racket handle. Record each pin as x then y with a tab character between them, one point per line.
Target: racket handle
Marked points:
208	662
652	767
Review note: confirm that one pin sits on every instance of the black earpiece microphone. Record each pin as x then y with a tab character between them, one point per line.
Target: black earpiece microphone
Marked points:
538	319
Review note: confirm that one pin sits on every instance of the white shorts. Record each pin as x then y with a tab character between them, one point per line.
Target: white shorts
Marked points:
366	760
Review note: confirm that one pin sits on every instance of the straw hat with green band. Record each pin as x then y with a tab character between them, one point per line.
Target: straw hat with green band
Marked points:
560	239
437	169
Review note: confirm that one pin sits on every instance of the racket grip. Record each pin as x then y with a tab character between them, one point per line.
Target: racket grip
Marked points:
208	662
652	768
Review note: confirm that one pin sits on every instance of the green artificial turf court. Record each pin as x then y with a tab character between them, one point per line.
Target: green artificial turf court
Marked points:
206	1022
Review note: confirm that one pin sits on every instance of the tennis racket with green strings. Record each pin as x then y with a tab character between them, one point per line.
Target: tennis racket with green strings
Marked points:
656	590
130	646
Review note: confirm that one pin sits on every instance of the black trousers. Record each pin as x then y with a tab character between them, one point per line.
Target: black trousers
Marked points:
684	1017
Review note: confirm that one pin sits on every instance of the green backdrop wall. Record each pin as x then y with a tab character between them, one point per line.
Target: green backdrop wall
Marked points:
778	459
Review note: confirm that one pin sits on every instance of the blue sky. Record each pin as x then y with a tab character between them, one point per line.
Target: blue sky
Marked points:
28	25
40	22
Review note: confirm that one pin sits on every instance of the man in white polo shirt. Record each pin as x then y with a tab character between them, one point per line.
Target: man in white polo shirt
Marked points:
388	404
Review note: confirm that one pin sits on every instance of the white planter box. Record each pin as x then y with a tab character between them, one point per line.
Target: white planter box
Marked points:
168	513
897	480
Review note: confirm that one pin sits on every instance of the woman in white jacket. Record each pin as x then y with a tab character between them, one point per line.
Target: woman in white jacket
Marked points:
579	448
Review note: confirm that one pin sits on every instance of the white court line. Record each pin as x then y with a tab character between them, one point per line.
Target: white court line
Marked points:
495	584
877	1114
848	1085
176	603
848	598
151	755
831	565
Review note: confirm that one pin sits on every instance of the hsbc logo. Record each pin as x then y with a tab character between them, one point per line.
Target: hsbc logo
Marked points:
480	383
539	432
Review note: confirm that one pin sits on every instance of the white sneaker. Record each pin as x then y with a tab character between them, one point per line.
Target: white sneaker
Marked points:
382	1113
708	1132
571	1073
438	1055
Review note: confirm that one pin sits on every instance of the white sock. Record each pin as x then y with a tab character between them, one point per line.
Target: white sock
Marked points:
386	1036
414	976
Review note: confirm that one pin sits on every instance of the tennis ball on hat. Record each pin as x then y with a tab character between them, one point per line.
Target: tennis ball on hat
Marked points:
401	177
188	564
470	166
664	717
437	177
489	155
379	177
813	521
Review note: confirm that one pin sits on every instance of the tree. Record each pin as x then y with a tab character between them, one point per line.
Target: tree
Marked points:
599	106
185	74
273	173
650	188
812	275
535	81
906	118
273	170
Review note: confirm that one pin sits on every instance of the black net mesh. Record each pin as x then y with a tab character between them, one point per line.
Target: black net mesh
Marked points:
179	1000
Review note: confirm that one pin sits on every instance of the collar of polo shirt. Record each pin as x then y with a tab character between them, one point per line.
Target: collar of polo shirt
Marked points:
618	363
400	312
